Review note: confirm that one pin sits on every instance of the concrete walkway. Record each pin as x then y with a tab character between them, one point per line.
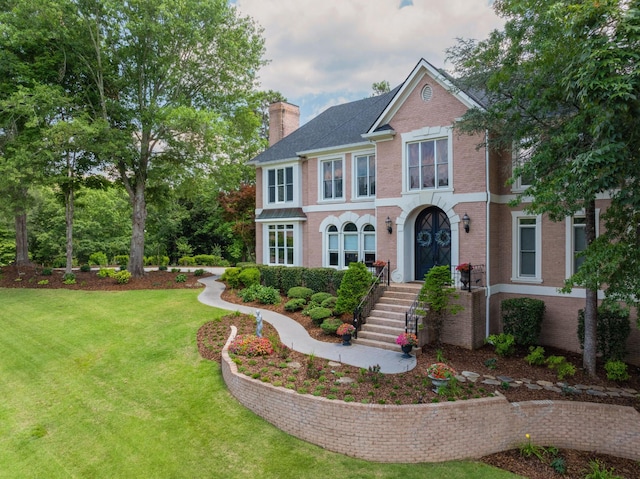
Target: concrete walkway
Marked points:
296	337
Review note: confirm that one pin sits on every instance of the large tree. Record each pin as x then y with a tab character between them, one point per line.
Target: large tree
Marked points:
562	87
171	76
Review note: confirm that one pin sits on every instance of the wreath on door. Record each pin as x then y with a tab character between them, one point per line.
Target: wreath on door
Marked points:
443	238
424	238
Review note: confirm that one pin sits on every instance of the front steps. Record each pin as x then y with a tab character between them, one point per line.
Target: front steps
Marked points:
387	318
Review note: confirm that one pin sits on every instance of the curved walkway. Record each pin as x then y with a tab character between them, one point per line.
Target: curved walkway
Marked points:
296	337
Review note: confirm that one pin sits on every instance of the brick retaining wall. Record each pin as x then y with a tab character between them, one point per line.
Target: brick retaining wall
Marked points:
436	432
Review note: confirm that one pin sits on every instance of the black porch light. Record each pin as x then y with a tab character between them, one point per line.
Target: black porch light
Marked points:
465	222
387	222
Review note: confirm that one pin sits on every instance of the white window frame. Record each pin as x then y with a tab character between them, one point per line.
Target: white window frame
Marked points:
427	134
570	240
321	167
519	156
516	274
370	178
286	227
340	238
294	189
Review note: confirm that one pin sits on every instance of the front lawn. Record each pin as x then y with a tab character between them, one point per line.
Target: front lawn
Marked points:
110	384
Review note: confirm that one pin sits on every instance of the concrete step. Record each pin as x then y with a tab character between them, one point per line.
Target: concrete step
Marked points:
386	319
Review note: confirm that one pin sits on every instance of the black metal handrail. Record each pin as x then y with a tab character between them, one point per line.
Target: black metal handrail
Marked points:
371	298
465	281
412	316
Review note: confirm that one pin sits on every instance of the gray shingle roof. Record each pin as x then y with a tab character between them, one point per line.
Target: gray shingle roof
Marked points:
338	125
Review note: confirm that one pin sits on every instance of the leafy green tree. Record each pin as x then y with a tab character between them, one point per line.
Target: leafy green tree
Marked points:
380	88
355	284
562	82
172	78
437	295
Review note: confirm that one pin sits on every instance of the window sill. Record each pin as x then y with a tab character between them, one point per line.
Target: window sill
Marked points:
527	280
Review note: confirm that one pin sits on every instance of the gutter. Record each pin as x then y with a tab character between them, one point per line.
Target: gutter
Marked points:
488	240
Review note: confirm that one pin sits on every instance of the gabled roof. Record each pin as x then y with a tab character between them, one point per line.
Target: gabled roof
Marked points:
336	126
352	123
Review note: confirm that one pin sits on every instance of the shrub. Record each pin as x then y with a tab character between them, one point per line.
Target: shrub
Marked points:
69	278
47	272
437	295
181	278
522	318
85	268
175	270
249	276
535	356
330	325
299	292
249	294
105	273
318	315
355	284
612	331
318	298
162	267
198	272
330	303
251	345
155	259
504	344
121	259
294	304
187	261
616	370
319	279
122	277
271	276
290	277
98	259
562	367
268	295
232	277
207	260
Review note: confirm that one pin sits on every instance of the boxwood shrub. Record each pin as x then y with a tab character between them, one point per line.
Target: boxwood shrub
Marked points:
300	292
249	276
330	325
522	318
232	277
295	304
318	315
613	329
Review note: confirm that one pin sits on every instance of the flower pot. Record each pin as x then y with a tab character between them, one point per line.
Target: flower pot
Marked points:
406	349
465	278
346	339
438	383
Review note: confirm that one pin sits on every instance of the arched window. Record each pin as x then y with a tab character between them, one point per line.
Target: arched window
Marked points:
348	245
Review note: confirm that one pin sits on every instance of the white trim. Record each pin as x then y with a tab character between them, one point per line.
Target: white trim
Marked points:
427	134
339	222
333	150
297	243
337	207
569	240
515	248
297	186
320	164
535	290
354	174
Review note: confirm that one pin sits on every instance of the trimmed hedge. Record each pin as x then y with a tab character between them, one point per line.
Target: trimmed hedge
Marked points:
613	329
318	315
299	292
249	276
232	277
522	318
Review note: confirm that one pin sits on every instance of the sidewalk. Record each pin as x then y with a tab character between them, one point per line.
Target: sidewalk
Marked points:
296	337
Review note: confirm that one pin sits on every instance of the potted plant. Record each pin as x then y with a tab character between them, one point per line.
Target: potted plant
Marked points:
379	265
465	273
345	330
440	374
407	341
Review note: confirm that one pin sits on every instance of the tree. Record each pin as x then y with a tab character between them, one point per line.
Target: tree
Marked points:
437	296
562	83
380	88
239	210
171	77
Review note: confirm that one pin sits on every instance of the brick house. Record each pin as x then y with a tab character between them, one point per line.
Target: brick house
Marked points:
388	178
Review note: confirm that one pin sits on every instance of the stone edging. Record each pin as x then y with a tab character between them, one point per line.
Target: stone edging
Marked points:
436	432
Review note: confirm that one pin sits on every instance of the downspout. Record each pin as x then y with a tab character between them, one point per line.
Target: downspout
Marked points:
487	232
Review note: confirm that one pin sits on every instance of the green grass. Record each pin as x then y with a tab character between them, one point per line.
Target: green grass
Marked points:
106	385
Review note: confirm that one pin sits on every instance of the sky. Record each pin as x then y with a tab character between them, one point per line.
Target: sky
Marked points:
328	52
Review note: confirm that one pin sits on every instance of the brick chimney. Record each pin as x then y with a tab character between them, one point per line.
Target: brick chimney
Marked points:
284	118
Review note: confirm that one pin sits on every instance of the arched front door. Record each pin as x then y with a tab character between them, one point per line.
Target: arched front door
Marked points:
432	241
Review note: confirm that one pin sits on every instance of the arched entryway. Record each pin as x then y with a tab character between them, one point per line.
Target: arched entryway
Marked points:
432	241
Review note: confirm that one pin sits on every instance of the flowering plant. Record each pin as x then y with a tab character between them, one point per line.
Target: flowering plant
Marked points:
407	339
464	267
250	345
379	263
440	371
345	328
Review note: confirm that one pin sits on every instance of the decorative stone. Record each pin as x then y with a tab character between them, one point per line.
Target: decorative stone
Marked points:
630	390
334	364
533	386
582	386
460	378
595	392
555	389
596	388
505	379
492	382
613	394
345	380
294	365
544	384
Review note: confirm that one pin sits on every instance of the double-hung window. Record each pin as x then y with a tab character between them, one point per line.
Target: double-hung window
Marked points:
366	176
527	248
349	244
281	244
428	164
280	184
332	172
579	242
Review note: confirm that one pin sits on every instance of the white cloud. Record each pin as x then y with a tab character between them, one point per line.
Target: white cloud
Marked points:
340	47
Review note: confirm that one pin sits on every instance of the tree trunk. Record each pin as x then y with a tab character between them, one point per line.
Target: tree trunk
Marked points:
136	252
22	245
68	207
591	304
